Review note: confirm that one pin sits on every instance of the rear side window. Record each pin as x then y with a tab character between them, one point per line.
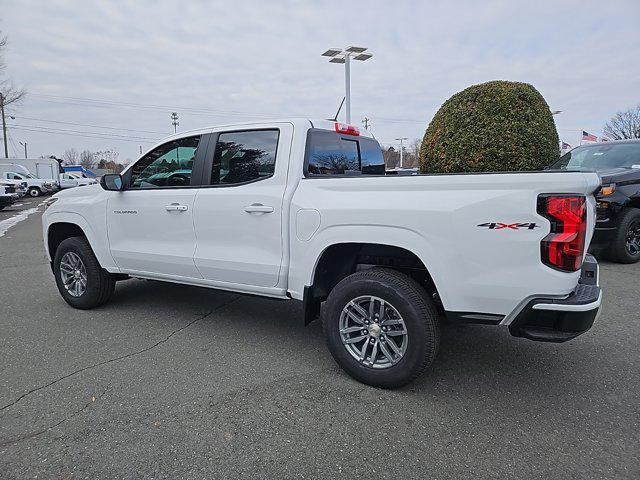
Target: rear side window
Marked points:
244	157
330	153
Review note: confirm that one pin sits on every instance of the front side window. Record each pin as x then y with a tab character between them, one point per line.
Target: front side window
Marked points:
169	165
330	153
244	157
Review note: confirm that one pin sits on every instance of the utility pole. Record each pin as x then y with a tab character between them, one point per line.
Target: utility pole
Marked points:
174	121
402	139
4	127
25	148
366	122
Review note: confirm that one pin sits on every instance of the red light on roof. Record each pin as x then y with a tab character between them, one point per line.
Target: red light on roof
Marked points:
347	129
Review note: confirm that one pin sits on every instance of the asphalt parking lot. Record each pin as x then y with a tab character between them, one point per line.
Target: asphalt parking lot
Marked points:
170	381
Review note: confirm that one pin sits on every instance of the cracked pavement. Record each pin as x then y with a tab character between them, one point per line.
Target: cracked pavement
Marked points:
170	381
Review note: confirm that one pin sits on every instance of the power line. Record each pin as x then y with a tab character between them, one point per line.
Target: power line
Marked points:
87	135
115	103
94	102
115	135
89	125
13	145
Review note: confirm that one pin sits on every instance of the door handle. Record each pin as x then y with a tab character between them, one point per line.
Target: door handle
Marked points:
176	207
258	208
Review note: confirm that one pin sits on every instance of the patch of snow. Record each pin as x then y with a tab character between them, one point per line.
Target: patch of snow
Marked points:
10	222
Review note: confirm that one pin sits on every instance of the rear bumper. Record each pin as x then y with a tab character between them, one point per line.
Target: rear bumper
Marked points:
559	320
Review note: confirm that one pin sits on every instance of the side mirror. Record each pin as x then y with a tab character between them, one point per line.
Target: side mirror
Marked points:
112	181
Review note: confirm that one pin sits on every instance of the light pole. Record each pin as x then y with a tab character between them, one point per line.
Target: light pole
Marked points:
344	56
402	139
24	144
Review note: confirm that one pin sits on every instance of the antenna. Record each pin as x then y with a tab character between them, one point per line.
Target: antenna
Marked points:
335	118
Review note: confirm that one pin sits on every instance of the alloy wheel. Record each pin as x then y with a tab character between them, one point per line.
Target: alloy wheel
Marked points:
633	238
73	274
373	332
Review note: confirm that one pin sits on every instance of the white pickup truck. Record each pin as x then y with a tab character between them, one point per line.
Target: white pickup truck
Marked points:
303	210
35	186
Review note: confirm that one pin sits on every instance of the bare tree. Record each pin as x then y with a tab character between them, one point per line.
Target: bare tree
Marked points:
9	92
71	156
624	125
415	147
107	156
391	157
87	159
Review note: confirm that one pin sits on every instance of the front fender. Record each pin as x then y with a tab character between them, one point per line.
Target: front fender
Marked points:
99	243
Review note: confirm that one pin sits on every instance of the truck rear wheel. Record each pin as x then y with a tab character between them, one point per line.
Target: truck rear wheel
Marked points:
381	327
82	282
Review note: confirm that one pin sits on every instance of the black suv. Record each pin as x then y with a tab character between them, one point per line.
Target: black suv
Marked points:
617	235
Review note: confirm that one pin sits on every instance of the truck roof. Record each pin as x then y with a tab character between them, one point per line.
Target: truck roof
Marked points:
299	122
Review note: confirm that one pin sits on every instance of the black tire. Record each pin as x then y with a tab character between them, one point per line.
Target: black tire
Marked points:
100	284
628	222
411	302
34	191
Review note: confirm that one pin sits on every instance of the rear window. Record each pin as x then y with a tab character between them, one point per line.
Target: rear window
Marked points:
330	153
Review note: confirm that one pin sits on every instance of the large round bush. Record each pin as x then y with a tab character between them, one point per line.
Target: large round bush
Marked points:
491	127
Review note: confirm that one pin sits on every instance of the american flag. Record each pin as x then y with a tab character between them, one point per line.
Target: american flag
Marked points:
565	146
588	137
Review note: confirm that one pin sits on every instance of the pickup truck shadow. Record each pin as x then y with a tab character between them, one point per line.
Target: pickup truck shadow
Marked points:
471	358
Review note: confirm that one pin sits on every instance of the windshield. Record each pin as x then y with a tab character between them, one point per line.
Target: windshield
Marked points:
600	157
28	175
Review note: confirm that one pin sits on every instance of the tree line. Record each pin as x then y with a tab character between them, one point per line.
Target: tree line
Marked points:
410	155
102	159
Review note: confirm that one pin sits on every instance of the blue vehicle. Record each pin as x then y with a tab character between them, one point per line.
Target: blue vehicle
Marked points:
80	170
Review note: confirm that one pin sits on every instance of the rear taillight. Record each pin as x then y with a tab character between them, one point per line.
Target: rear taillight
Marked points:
563	248
347	129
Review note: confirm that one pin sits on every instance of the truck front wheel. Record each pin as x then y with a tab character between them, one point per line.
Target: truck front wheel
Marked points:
625	247
381	327
82	282
34	191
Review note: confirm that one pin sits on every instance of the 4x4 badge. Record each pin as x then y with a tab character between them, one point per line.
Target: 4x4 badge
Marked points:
510	226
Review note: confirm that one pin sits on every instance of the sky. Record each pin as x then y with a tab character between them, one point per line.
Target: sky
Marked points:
107	75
